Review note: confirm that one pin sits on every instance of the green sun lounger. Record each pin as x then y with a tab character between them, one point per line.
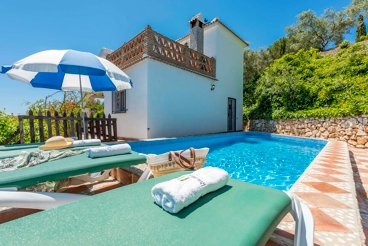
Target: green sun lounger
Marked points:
9	151
66	167
238	214
19	146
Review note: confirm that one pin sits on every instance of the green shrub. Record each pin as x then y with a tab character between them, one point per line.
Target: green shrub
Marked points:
8	126
362	38
305	84
344	44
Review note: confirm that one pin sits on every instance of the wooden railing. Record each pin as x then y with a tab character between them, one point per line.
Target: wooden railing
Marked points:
42	127
152	44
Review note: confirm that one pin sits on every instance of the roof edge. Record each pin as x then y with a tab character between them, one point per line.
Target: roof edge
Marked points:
217	20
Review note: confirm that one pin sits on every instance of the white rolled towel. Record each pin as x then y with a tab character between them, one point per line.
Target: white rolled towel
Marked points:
176	194
118	149
87	142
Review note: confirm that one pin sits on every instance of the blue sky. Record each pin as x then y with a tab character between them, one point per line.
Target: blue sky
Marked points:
32	26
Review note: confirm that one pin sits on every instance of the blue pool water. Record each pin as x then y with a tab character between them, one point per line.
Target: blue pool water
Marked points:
260	158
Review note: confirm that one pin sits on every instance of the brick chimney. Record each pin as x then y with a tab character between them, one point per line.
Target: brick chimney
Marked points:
196	33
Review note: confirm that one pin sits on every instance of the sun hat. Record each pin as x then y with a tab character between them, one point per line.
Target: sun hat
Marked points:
57	142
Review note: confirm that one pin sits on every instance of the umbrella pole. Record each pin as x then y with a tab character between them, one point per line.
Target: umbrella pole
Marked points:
84	121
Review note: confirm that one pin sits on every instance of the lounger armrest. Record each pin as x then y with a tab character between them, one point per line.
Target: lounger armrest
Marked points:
145	175
36	200
304	223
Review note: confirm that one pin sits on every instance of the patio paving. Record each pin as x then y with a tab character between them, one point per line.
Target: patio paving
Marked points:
359	163
335	188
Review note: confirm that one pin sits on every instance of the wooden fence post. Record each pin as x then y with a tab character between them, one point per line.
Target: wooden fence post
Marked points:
79	126
98	127
109	126
104	128
31	126
92	126
86	125
48	120
72	132
65	125
115	130
57	127
21	130
40	127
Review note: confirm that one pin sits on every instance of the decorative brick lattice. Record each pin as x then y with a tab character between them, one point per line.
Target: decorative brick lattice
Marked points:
133	50
167	48
149	43
115	57
201	62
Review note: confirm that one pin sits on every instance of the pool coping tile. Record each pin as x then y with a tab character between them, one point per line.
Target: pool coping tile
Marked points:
337	218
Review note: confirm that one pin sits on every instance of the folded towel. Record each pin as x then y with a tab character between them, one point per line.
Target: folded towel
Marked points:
117	149
87	142
176	194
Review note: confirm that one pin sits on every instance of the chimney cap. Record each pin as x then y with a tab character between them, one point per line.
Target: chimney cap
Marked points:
199	17
104	52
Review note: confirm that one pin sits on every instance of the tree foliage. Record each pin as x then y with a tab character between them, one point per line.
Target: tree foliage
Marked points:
280	48
71	103
291	79
8	125
254	63
361	28
305	84
319	32
356	8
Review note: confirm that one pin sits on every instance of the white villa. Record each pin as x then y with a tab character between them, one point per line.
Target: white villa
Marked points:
190	86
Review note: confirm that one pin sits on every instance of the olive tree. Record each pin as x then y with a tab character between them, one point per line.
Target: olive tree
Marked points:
356	8
320	32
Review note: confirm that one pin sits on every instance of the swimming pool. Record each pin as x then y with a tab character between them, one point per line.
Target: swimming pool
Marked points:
260	158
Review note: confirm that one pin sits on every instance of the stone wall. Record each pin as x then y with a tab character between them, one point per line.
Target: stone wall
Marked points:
353	130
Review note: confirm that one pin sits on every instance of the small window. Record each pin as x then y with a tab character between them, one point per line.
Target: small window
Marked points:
119	102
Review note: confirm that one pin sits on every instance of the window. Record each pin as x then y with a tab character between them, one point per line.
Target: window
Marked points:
119	102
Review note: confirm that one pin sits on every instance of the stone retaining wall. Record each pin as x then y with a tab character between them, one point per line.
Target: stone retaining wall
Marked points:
353	130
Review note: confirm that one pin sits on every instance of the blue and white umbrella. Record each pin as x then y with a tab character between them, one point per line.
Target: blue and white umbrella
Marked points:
68	70
4	69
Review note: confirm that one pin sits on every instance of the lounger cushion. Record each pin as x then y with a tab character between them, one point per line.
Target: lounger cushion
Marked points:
238	214
19	146
66	167
12	151
9	151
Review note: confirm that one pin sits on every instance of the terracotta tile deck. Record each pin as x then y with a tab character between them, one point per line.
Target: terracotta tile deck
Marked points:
335	188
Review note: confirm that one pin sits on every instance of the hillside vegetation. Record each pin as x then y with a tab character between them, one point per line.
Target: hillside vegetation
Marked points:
305	84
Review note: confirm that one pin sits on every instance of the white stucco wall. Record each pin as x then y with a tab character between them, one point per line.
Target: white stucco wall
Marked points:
133	123
167	101
180	103
229	58
228	51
